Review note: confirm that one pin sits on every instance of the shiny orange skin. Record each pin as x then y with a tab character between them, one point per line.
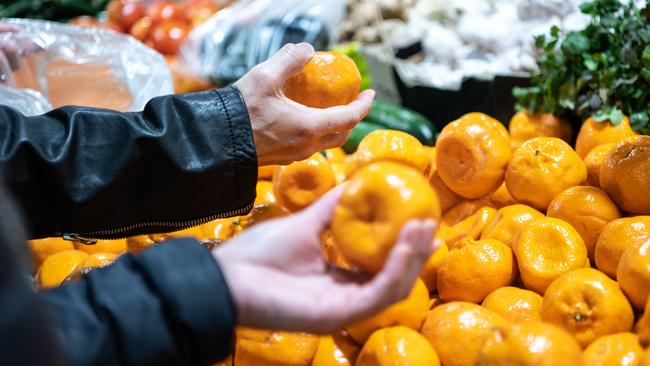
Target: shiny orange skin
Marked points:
515	304
409	312
137	244
141	29
508	222
257	347
457	331
377	201
97	260
167	37
524	126
594	133
397	346
392	145
617	236
335	155
43	248
633	275
645	358
471	272
616	349
446	196
470	227
643	326
546	249
339	170
530	344
336	350
264	193
266	172
625	175
594	160
588	209
501	197
472	154
331	250
588	304
130	13
58	267
327	80
429	274
117	246
541	168
301	183
462	211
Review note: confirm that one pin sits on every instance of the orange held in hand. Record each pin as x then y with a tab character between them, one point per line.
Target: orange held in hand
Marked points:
299	184
397	346
625	175
588	304
541	169
472	154
328	80
378	200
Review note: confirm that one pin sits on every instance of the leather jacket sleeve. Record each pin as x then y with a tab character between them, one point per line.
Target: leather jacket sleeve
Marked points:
169	305
184	160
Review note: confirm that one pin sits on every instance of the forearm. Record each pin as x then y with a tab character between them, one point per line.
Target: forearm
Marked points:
168	306
182	160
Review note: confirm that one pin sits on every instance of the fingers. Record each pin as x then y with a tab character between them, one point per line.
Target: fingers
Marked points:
4	27
402	268
333	140
342	118
288	61
319	214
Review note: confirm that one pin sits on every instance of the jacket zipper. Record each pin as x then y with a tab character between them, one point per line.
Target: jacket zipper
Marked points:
91	237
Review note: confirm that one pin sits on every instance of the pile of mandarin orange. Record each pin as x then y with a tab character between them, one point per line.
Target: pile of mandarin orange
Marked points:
546	254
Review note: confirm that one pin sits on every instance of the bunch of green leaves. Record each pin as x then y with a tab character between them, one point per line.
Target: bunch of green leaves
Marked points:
602	71
50	9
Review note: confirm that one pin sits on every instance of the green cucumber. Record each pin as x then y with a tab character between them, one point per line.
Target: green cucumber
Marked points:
358	133
398	118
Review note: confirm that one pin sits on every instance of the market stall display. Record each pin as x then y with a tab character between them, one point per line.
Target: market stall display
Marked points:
542	252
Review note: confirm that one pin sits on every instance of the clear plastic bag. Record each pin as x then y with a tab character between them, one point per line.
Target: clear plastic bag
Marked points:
239	37
82	66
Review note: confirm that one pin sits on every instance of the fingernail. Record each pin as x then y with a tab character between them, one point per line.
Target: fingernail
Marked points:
305	48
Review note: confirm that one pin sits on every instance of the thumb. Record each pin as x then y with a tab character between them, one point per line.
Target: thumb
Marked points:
288	61
319	214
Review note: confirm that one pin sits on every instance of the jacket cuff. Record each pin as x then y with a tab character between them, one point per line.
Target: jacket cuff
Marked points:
193	287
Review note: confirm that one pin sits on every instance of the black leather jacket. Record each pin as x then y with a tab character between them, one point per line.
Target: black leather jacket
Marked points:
184	160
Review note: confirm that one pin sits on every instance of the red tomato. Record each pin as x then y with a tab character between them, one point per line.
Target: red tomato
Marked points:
114	10
200	12
141	28
84	21
172	11
109	25
167	37
131	12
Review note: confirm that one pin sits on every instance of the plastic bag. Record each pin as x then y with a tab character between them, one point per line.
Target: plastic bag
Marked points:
239	37
82	66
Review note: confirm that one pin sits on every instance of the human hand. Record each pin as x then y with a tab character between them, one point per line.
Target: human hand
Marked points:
279	280
285	131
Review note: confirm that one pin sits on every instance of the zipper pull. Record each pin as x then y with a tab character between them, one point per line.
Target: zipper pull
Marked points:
79	238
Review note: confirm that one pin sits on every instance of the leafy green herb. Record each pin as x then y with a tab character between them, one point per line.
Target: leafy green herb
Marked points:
602	71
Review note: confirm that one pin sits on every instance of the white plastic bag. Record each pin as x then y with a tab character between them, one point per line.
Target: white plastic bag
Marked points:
82	66
239	37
